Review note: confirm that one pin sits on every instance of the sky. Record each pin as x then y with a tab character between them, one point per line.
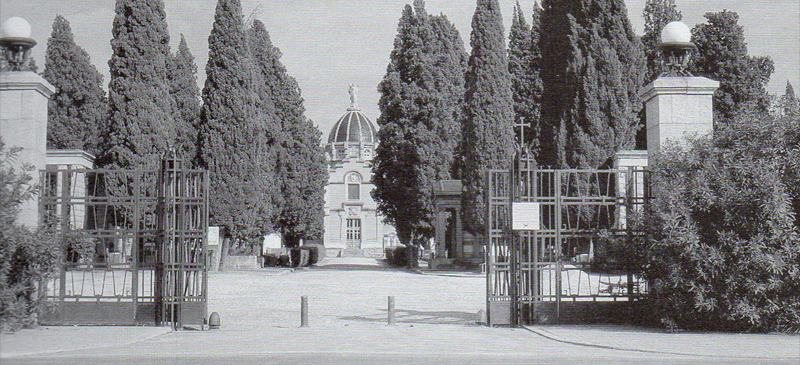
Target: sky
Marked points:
329	44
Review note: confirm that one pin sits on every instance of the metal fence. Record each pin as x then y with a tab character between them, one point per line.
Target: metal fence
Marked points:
134	243
536	276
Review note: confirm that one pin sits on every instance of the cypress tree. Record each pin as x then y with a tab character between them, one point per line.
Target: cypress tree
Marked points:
722	56
656	14
301	161
142	124
234	141
77	112
421	94
524	60
186	93
788	104
593	70
488	112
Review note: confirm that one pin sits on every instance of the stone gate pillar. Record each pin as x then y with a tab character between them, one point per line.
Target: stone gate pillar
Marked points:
678	107
23	107
677	104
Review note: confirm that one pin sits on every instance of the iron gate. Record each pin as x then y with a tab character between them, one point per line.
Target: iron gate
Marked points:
549	275
134	243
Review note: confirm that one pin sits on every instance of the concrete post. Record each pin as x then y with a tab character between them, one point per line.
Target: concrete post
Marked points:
677	107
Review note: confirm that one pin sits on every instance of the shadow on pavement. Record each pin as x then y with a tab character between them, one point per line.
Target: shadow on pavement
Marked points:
362	267
419	317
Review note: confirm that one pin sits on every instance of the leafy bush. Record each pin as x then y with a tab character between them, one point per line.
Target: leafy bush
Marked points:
316	253
722	249
26	257
398	256
388	252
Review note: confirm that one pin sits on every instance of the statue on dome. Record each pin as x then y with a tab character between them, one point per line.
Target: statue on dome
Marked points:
353	91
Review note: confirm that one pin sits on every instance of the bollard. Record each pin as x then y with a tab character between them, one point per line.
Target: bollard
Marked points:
213	321
304	311
391	310
481	317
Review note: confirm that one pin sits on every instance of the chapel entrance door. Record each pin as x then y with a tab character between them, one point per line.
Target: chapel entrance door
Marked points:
353	233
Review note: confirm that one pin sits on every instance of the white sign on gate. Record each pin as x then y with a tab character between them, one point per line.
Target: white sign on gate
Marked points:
525	216
213	236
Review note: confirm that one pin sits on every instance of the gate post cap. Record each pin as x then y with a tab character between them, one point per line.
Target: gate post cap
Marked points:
213	321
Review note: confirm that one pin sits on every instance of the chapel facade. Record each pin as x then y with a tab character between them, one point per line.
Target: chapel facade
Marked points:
353	226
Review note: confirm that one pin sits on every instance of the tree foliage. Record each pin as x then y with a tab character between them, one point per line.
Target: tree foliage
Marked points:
186	93
236	143
26	257
722	249
488	112
788	106
592	70
421	93
301	160
656	14
524	64
77	111
142	112
722	55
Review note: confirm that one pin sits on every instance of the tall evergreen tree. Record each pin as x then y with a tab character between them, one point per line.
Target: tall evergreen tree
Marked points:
77	112
656	14
722	56
234	141
488	141
301	161
593	70
142	123
524	63
184	89
788	104
421	94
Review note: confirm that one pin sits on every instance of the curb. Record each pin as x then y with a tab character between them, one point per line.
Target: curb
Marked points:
550	336
48	352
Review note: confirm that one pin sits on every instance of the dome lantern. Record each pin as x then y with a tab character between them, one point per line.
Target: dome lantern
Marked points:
353	135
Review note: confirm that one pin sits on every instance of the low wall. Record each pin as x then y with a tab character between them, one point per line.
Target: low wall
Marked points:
241	263
585	312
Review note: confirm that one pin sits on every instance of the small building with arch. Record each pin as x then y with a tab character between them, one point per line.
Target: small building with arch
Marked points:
353	226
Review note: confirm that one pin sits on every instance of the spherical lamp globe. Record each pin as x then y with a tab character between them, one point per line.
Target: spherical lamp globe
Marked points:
676	33
15	27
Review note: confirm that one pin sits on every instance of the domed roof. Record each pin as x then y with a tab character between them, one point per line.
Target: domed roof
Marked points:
353	127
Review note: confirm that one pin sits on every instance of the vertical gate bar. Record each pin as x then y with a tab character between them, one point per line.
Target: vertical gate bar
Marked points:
489	248
630	194
511	236
160	273
204	226
63	228
135	248
558	244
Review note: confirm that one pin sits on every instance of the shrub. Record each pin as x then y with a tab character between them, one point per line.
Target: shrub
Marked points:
316	253
270	260
26	257
300	256
722	249
389	253
400	256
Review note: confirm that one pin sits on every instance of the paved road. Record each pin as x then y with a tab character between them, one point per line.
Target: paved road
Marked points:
260	313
